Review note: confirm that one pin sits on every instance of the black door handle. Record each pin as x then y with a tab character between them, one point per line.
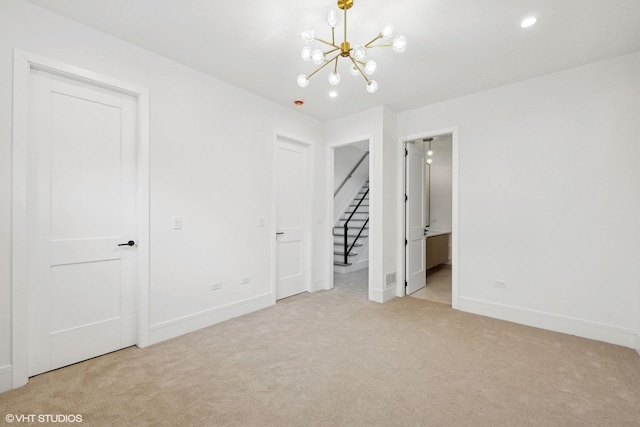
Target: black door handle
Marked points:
129	243
277	234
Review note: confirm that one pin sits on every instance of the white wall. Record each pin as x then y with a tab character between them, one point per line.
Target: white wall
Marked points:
549	198
637	298
357	127
345	158
211	148
441	183
391	157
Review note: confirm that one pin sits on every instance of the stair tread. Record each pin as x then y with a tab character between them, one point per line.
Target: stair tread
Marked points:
357	245
341	253
341	263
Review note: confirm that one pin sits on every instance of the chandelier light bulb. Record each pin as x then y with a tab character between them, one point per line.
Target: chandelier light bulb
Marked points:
359	52
399	44
370	67
429	161
303	81
332	18
306	53
307	35
317	56
372	86
386	31
334	78
429	153
354	71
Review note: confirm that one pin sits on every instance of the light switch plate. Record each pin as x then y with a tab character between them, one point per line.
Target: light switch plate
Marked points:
177	222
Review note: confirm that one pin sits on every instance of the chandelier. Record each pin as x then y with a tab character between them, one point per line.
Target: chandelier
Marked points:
357	54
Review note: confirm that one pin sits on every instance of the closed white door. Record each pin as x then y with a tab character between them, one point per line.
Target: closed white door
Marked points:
291	202
81	205
415	220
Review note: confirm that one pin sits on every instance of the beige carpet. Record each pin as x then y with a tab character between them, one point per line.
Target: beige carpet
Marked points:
335	359
438	287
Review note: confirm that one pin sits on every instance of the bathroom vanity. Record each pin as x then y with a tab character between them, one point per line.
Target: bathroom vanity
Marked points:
437	248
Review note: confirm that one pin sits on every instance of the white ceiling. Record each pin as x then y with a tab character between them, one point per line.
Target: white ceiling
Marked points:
455	47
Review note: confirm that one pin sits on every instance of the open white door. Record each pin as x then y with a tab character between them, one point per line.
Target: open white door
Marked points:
415	219
81	205
291	211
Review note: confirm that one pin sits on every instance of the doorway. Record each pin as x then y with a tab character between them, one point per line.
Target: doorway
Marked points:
432	261
80	173
349	209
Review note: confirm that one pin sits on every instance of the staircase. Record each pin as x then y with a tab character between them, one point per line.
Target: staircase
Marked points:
356	217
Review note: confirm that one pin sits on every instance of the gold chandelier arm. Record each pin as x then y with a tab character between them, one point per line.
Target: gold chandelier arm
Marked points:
330	51
381	45
359	69
333	36
335	58
326	42
377	38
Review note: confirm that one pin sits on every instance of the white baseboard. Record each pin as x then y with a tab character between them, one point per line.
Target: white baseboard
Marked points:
382	296
638	342
6	378
552	322
320	285
183	325
360	265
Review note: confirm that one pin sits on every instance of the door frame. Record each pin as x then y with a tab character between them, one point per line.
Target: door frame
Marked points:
308	225
455	215
329	197
23	64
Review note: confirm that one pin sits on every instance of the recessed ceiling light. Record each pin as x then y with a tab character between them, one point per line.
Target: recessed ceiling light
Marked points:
333	94
528	22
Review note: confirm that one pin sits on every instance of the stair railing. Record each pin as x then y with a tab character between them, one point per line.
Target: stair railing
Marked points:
347	248
350	174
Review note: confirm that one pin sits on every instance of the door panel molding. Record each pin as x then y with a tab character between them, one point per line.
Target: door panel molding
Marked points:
280	136
24	64
415	218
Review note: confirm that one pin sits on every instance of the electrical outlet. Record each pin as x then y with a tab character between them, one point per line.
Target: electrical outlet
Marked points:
244	280
216	286
500	284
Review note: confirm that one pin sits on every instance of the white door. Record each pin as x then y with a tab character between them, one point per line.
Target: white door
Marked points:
415	219
81	204
291	202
